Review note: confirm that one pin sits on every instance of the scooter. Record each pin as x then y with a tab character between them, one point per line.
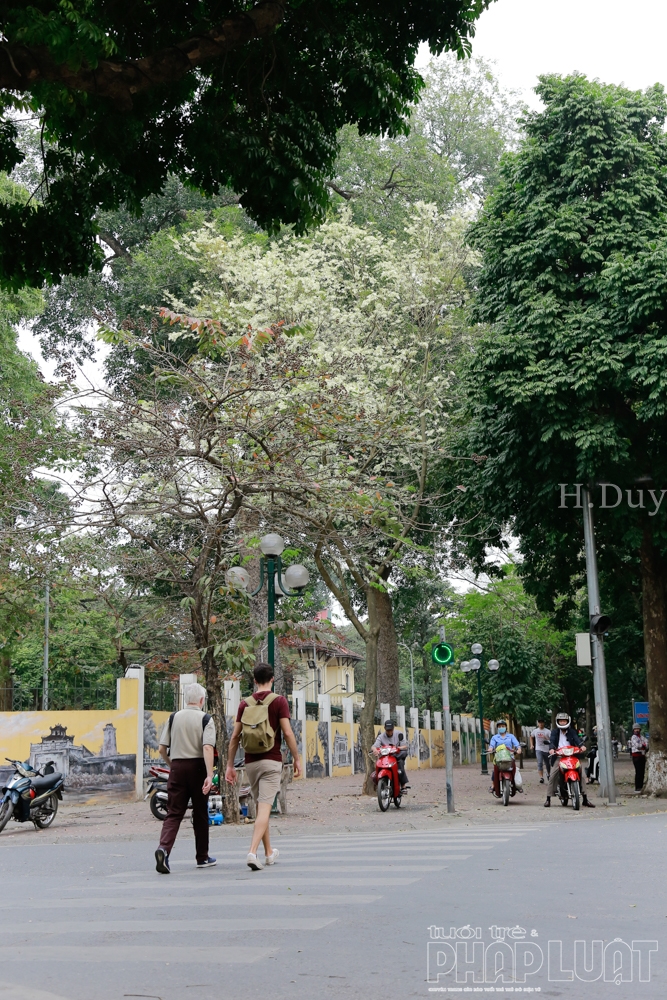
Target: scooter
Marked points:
157	791
386	777
31	795
569	783
593	769
508	775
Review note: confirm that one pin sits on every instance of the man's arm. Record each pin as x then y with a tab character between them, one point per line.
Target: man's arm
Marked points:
164	753
291	743
230	773
208	760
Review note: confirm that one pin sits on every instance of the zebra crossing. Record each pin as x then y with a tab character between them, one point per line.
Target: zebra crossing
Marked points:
146	934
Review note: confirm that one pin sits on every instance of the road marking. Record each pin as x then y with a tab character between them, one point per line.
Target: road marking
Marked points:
144	902
211	925
214	955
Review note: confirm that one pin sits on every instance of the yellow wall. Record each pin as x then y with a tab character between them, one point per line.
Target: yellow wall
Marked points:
19	729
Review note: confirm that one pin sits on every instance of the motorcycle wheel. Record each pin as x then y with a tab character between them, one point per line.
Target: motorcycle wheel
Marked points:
158	807
507	788
6	811
384	794
46	813
576	797
397	801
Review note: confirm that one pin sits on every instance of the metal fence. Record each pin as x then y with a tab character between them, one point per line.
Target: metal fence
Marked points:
160	695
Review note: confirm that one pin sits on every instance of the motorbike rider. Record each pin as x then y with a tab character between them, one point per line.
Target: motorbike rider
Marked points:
392	738
563	735
511	742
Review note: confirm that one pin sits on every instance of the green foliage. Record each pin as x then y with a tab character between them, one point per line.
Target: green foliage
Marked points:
566	383
260	118
459	129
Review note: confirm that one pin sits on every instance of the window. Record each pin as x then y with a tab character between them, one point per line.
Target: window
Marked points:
347	682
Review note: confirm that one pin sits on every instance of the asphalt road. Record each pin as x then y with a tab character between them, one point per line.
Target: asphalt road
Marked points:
461	908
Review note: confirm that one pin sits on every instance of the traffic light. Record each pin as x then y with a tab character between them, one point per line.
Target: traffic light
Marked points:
600	624
443	653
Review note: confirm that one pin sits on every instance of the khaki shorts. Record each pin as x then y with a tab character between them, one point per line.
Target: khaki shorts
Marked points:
264	777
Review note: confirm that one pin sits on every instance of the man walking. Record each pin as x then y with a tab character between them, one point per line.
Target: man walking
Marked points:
539	741
638	748
186	745
262	720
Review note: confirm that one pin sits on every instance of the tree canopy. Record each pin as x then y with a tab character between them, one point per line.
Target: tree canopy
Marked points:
568	384
249	97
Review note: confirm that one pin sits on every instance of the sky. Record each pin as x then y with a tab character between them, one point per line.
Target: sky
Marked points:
614	40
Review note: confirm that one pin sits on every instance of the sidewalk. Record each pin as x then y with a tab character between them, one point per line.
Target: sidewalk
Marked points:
335	805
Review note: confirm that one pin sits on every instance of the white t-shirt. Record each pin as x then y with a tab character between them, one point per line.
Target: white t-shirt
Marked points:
562	739
541	737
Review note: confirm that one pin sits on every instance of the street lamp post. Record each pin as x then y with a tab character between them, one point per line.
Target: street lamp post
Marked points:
412	670
476	664
278	584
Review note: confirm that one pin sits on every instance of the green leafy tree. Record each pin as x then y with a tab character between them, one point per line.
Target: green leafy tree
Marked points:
463	123
247	98
567	384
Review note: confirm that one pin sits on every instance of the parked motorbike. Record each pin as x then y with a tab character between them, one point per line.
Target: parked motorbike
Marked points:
386	777
593	769
569	783
157	791
31	795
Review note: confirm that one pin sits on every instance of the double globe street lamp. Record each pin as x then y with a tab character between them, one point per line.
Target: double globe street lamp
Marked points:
476	665
289	582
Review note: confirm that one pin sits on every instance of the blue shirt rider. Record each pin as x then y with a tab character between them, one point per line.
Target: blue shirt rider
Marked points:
503	738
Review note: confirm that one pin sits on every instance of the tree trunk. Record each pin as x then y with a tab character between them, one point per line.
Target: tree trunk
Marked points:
367	720
388	686
216	708
654	608
5	681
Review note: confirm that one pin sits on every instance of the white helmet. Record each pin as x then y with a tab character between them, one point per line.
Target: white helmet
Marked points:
563	720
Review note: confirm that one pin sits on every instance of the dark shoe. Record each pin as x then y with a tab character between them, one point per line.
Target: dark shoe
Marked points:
162	862
209	863
547	803
588	804
541	781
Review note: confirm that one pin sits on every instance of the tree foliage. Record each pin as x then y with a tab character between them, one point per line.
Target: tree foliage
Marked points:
247	98
568	383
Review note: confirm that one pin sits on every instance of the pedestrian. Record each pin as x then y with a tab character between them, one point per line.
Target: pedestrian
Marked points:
539	741
638	748
186	744
261	722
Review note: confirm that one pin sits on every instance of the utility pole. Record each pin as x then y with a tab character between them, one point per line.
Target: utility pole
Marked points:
45	675
447	719
607	778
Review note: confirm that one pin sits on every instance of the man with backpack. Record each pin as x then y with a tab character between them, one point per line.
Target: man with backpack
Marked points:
261	722
186	745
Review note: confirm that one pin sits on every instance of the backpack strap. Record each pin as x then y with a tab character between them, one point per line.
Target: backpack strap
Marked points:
205	721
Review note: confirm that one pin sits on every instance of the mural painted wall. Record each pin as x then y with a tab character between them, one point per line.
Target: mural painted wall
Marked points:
95	750
428	745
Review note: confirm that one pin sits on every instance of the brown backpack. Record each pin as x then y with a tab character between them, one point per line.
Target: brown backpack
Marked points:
257	734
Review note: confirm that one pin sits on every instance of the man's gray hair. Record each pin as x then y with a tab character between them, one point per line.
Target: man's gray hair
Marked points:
194	694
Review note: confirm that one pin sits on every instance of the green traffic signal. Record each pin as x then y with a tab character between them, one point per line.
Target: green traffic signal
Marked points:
443	653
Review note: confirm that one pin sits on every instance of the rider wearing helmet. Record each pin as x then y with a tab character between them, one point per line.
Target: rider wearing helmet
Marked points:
512	744
392	737
563	735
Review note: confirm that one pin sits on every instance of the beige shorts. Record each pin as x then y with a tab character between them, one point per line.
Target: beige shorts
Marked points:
264	777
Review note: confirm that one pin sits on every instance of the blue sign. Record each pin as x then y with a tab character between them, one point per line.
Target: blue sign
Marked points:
641	713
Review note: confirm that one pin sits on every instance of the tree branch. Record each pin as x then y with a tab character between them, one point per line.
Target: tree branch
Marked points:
22	67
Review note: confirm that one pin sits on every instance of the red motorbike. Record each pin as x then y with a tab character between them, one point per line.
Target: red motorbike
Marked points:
569	778
386	777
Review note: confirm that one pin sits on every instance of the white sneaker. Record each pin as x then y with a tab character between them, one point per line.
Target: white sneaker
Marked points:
253	862
272	857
